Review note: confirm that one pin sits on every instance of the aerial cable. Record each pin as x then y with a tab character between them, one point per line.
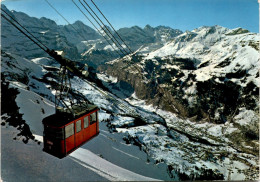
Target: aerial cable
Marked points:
23	28
102	28
113	29
65	19
96	28
105	27
23	32
110	38
137	69
107	30
111	26
83	37
57	11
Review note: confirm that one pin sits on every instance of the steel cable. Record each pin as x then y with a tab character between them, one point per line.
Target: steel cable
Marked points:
65	19
102	28
111	26
96	27
22	32
105	27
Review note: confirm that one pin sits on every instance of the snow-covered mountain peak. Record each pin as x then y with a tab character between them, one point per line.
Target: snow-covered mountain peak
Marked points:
210	30
208	44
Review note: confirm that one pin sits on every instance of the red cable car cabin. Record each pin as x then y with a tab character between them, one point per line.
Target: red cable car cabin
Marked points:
64	133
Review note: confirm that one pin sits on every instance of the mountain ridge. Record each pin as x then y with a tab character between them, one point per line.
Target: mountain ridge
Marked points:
78	38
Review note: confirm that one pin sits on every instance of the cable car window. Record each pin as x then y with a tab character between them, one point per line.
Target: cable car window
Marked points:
93	118
86	122
69	130
78	126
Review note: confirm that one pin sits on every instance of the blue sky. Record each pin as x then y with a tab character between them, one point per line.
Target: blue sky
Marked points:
180	14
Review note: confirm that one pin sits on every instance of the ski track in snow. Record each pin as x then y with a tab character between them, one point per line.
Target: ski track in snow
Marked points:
125	153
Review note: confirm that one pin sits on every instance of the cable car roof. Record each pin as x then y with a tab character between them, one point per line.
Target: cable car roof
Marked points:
62	118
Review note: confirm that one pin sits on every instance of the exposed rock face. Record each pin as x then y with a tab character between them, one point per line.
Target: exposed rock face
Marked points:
146	39
78	31
154	82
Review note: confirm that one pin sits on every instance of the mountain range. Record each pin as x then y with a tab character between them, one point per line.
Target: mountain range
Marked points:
78	40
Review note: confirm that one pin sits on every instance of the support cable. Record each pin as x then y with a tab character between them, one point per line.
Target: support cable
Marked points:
111	26
102	28
110	32
81	35
105	27
137	69
96	28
